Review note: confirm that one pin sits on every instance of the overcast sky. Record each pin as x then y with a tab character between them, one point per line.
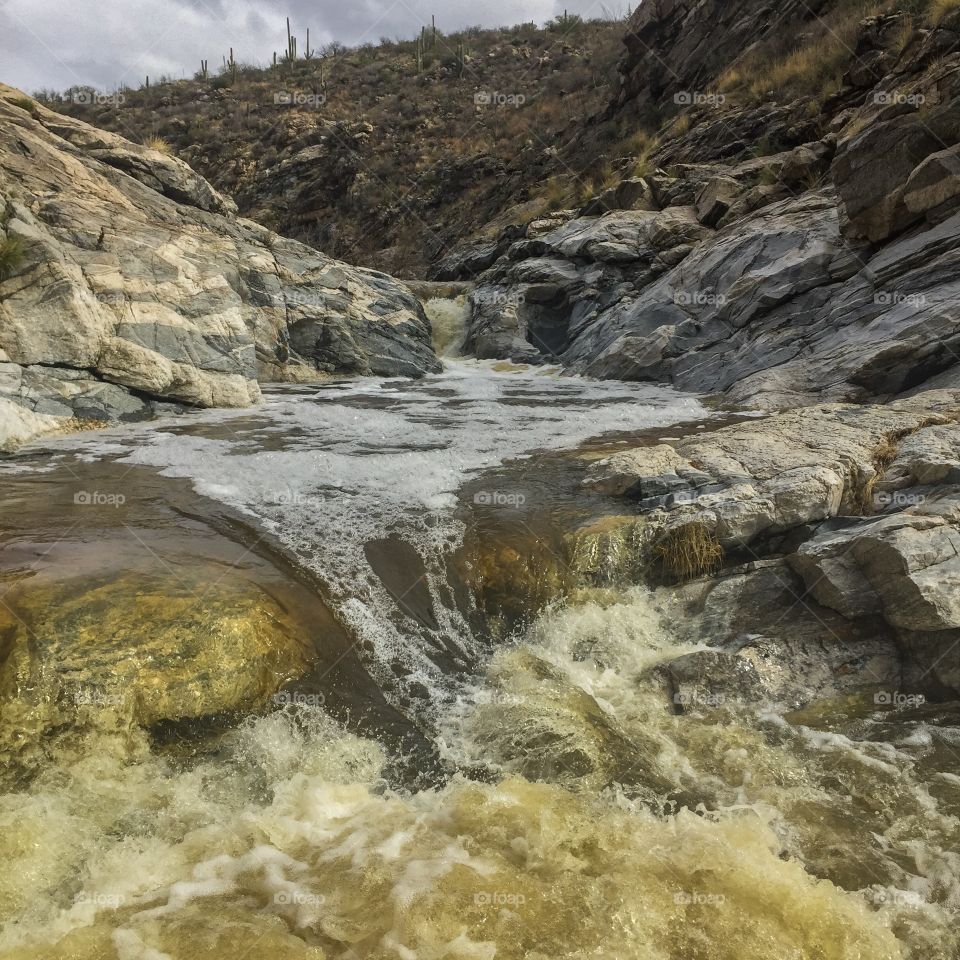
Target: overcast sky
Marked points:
104	43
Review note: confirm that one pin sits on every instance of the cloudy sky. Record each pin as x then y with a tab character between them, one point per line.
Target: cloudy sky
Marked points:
104	43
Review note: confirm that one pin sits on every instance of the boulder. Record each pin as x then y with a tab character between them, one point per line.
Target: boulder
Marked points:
711	678
772	643
908	566
621	236
632	193
136	278
625	472
715	198
929	456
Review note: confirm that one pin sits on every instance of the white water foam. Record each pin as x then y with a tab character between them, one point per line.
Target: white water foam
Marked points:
327	470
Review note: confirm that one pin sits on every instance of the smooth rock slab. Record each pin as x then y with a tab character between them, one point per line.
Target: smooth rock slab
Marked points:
146	648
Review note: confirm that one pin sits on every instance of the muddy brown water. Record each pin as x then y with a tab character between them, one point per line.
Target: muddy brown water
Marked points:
327	571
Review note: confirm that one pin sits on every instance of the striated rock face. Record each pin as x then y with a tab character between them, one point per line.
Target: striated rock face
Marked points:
779	253
679	45
135	286
776	309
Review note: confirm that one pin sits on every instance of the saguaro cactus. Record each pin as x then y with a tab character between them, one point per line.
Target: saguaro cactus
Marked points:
292	44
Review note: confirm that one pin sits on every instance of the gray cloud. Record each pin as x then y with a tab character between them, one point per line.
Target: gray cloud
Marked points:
106	43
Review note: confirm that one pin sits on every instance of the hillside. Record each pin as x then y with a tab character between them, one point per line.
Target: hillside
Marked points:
373	157
794	234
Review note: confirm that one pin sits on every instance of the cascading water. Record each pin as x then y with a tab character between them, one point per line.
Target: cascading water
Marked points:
581	816
448	319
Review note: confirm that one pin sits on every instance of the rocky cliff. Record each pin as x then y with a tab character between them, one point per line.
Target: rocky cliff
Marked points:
786	244
128	283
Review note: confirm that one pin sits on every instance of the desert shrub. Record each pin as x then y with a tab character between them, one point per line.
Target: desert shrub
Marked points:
25	103
12	254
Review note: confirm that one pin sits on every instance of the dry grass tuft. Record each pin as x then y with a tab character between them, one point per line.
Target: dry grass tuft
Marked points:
25	103
160	145
812	69
938	9
556	192
690	551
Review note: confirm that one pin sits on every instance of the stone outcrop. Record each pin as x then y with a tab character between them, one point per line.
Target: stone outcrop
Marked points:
132	285
823	263
846	516
774	310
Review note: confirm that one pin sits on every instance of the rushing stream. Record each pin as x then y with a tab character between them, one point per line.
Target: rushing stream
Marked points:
253	708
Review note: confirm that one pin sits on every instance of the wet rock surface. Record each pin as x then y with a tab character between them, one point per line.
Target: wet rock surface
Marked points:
849	519
137	650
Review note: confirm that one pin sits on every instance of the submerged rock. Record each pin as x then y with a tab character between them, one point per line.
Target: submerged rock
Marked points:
139	650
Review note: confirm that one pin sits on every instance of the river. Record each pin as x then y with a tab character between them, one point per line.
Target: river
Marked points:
321	679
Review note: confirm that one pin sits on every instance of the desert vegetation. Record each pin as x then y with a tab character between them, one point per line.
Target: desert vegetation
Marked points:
347	148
